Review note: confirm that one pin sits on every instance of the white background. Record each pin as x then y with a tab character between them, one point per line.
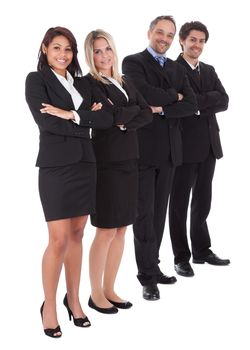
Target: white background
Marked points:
208	311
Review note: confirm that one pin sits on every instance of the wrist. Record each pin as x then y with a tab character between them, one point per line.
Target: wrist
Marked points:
71	115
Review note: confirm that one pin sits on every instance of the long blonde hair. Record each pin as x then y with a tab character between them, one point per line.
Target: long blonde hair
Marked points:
89	55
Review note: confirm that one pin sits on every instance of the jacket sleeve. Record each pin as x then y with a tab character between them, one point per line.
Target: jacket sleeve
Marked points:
143	117
155	96
36	94
187	106
121	114
213	101
100	119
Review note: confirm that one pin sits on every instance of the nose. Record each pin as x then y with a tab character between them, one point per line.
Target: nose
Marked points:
104	54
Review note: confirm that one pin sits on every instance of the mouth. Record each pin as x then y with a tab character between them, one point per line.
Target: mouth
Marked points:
162	44
61	61
196	51
106	62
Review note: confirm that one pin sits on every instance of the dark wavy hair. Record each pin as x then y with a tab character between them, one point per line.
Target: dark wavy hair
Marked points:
74	67
194	25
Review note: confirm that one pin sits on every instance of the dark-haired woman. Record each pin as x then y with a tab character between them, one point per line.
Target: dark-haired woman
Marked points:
67	171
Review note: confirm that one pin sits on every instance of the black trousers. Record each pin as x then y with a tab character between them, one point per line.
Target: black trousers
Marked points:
198	178
154	188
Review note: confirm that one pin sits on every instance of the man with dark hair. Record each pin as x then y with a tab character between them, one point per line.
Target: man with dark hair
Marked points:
164	85
201	147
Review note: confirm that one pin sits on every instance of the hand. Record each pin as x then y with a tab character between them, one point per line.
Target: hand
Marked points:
180	97
96	106
156	109
56	112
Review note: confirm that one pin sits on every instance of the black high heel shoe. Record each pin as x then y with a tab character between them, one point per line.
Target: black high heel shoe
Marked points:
79	322
51	332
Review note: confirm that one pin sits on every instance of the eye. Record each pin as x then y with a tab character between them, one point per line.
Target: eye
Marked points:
96	51
109	48
68	49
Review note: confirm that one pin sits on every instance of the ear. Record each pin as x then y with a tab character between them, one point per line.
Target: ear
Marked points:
44	49
149	32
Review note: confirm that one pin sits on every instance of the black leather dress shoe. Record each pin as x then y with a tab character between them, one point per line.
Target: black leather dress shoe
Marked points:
122	305
164	279
151	292
184	269
212	259
103	310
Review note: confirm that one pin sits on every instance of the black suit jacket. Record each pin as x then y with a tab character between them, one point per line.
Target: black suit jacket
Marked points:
62	141
113	144
202	132
161	140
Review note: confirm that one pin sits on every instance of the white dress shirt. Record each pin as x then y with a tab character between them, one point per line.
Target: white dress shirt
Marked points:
76	97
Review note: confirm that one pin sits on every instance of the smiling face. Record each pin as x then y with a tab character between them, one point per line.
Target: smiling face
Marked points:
103	56
59	54
193	45
161	36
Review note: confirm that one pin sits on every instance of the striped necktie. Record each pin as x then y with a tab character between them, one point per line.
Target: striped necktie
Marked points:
161	60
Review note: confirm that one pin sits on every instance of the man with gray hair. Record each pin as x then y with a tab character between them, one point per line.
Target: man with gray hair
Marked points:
165	87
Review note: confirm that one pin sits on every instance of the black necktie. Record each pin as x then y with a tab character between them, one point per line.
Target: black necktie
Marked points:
197	74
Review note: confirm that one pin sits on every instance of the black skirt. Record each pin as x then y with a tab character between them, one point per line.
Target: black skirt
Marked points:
116	194
67	191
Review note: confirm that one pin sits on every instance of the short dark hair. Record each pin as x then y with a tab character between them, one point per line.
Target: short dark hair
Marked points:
160	18
194	25
74	67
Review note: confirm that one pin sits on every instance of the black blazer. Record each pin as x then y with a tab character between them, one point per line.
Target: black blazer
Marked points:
62	141
113	144
161	140
202	132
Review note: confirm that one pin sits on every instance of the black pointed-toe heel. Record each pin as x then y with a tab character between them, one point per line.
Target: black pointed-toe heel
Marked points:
103	310
79	322
51	332
121	305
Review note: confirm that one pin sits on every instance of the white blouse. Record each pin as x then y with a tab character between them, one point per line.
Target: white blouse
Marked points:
76	97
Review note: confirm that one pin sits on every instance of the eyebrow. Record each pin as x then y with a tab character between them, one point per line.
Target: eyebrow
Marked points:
100	48
61	44
194	37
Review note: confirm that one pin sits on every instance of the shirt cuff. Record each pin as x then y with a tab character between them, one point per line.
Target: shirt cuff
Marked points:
77	118
198	113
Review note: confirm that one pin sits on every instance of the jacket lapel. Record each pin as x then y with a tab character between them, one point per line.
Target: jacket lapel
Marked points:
164	71
57	87
191	74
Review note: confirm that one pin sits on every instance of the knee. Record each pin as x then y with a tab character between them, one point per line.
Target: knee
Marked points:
121	231
59	245
106	235
77	234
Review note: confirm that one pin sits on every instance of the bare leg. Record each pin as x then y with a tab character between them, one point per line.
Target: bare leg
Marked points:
112	265
51	268
97	261
73	264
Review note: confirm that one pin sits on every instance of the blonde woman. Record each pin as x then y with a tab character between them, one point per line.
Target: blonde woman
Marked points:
116	151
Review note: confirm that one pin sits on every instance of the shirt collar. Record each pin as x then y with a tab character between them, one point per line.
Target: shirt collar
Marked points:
191	65
69	79
155	54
